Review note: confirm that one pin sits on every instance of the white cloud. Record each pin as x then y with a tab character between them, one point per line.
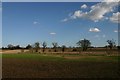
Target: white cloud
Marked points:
100	36
97	12
77	14
115	17
115	31
35	22
111	0
94	30
52	33
64	20
84	6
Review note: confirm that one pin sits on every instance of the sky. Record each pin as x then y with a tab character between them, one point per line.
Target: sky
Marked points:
51	0
63	22
0	24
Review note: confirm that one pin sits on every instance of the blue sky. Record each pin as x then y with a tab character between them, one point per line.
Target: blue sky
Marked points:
0	24
63	22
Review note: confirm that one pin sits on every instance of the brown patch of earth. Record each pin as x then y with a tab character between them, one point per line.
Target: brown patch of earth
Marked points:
29	68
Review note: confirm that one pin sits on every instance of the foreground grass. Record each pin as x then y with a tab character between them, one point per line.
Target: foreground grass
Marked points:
57	66
45	57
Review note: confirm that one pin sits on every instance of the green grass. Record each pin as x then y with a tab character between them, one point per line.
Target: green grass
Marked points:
60	58
32	56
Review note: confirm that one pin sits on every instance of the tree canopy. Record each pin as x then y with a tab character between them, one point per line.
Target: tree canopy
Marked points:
84	44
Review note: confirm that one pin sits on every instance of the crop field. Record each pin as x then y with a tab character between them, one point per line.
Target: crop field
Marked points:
26	65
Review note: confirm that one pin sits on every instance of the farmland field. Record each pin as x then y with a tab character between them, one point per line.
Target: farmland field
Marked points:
58	66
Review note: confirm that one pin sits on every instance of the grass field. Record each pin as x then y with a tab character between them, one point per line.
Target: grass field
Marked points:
57	66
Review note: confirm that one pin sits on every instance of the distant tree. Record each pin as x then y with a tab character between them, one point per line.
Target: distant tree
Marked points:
44	46
28	46
10	46
55	45
84	44
3	47
63	48
111	43
36	46
17	47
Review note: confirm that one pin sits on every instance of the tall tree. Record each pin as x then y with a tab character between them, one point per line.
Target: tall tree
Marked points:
17	47
111	43
36	46
55	45
44	46
84	44
63	48
10	46
28	46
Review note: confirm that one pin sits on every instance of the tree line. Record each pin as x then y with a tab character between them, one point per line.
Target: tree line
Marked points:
82	44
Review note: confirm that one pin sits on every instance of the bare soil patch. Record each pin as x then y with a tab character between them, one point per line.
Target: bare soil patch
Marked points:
27	68
12	51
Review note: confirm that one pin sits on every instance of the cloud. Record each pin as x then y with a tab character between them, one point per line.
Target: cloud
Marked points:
78	14
94	30
35	22
97	12
111	0
115	31
84	6
64	20
52	33
115	17
100	36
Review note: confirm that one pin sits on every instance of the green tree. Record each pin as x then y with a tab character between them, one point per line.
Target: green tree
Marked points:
84	44
10	46
63	48
55	45
111	43
37	46
44	46
28	46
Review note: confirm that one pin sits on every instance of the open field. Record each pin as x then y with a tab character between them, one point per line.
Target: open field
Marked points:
11	51
60	39
57	66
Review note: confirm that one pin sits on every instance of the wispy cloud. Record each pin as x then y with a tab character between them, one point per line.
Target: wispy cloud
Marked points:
115	17
97	12
94	30
64	20
84	6
52	33
100	36
35	22
115	31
